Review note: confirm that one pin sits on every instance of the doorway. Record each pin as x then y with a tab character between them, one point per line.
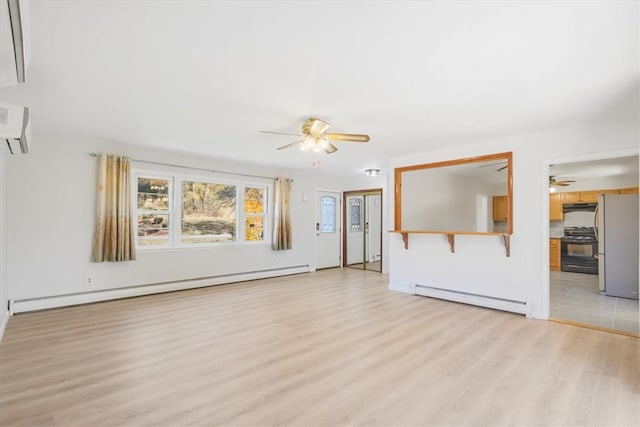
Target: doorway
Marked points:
327	228
362	224
593	248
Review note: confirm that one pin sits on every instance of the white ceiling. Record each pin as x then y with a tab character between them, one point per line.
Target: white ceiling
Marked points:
205	77
595	169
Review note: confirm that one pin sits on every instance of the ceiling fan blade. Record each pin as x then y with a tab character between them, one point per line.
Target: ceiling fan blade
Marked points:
281	133
502	168
330	149
289	145
560	184
491	164
351	137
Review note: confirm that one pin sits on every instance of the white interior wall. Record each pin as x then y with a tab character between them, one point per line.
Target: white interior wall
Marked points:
4	311
479	264
438	201
51	209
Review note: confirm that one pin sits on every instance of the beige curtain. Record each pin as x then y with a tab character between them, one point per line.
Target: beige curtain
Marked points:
113	238
282	215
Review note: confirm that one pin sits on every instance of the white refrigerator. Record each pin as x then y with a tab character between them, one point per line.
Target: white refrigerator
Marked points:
617	231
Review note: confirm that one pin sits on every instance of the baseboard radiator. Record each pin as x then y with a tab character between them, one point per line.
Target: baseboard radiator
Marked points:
33	304
513	306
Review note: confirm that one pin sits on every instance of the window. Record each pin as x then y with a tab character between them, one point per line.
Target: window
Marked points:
355	219
208	212
254	213
175	211
154	196
327	214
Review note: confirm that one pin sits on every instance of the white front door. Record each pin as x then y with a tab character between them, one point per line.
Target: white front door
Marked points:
328	228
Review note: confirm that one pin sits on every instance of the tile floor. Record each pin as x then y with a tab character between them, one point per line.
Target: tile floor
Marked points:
576	297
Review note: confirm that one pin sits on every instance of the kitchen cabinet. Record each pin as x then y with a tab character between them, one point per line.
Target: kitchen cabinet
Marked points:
580	197
632	190
554	254
555	207
500	208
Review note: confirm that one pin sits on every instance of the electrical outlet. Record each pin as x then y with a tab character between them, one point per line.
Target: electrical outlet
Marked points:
89	280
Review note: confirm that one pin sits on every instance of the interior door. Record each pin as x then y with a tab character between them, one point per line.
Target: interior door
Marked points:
328	231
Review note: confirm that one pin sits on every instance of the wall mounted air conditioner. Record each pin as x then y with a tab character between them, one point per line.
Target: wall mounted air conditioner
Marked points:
14	127
14	46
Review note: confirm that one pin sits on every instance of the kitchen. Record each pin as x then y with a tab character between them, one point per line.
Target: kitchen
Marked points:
593	247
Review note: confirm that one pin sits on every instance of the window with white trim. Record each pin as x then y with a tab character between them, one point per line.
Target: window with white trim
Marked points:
183	211
153	211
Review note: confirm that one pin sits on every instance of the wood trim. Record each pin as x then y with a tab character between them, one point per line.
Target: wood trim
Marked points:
506	238
595	328
508	156
452	242
497	156
510	196
364	192
459	233
397	213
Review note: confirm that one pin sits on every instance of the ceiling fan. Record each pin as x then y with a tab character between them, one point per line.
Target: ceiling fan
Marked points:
556	183
315	137
503	166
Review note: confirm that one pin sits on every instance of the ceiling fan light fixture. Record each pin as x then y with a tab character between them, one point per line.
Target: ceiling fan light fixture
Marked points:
307	144
372	172
552	189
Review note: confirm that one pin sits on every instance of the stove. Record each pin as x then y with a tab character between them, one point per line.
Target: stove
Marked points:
579	235
579	250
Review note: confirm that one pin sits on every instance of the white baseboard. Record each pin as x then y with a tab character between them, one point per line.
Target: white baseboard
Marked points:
399	288
3	324
513	306
21	306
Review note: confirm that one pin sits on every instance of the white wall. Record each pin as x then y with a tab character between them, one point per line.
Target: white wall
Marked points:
479	264
51	207
435	199
4	312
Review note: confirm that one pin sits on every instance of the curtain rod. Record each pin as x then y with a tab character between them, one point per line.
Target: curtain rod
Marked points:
194	168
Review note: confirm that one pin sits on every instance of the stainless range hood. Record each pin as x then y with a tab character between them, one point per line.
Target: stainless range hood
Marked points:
579	207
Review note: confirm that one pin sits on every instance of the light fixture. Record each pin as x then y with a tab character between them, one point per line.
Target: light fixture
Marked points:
314	143
372	172
552	189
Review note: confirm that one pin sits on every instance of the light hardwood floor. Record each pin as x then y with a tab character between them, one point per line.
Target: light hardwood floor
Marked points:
333	347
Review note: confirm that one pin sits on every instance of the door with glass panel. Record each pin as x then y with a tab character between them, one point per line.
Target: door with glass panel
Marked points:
355	231
363	229
328	228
